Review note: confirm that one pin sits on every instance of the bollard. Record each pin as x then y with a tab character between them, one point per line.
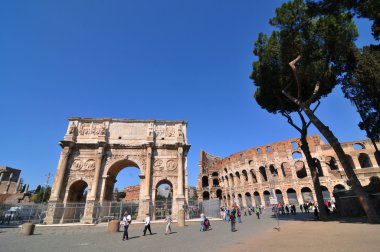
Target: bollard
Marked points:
181	217
113	226
27	228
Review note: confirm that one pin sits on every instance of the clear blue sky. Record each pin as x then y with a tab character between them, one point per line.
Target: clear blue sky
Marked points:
139	59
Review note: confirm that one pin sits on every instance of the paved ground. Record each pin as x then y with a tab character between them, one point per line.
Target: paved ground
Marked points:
296	234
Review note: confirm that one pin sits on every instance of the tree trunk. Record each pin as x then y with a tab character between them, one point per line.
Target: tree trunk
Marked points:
354	181
314	176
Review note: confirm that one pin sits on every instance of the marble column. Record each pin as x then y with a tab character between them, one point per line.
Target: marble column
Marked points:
148	172
180	173
60	173
98	163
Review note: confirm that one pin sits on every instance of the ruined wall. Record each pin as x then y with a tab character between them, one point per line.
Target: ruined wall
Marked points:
249	177
132	193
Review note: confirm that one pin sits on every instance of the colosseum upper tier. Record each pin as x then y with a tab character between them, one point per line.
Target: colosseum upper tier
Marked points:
248	177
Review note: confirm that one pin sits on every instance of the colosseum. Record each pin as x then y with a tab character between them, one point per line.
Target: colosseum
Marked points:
248	177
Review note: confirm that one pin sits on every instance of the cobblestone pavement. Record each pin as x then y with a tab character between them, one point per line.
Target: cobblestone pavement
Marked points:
96	238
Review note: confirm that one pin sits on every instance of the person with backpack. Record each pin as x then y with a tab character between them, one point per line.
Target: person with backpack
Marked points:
127	219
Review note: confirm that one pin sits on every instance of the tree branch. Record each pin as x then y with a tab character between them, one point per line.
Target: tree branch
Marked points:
316	89
297	102
292	64
318	103
290	121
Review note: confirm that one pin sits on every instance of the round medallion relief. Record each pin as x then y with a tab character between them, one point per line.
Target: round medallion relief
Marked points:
171	165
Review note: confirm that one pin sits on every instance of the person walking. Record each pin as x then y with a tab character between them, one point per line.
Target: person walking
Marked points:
301	208
239	215
287	209
169	221
233	220
257	212
147	225
202	228
127	219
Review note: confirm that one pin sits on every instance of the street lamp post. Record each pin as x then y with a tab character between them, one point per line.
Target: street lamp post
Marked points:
272	187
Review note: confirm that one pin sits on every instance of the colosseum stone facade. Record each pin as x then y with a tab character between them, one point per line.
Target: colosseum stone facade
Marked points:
248	177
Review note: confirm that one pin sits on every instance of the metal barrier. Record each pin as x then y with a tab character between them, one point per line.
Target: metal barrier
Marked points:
16	214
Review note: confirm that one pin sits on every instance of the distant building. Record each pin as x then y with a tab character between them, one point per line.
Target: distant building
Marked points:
132	193
11	188
164	192
192	192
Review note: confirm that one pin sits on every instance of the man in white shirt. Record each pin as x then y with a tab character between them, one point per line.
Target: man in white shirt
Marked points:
147	224
127	219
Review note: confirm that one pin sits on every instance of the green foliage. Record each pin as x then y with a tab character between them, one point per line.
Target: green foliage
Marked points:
325	44
160	197
369	9
38	189
374	185
42	195
121	195
362	87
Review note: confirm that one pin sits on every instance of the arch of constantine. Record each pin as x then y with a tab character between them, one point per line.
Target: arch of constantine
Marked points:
94	151
248	177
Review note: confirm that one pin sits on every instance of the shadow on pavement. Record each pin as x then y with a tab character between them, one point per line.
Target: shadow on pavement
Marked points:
310	217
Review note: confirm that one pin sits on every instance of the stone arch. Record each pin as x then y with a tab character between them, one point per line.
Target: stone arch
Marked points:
254	178
279	196
75	202
215	182
111	174
266	197
332	164
248	199
263	173
227	181
300	169
318	167
292	196
245	175
286	169
240	200
257	198
296	155
237	174
358	146
364	160
219	193
232	182
205	182
307	194
165	204
351	161
325	193
339	188
77	191
273	170
206	195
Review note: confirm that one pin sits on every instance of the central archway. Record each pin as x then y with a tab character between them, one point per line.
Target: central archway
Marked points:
111	175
